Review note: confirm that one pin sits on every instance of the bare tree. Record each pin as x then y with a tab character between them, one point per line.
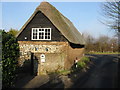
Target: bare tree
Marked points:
89	42
114	44
111	14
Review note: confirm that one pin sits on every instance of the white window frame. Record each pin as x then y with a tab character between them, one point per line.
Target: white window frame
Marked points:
38	33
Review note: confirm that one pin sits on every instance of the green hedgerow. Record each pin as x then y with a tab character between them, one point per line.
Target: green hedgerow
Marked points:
10	54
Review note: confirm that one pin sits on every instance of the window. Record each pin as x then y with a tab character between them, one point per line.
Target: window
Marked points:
41	33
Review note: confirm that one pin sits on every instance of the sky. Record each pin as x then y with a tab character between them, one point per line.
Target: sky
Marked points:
84	15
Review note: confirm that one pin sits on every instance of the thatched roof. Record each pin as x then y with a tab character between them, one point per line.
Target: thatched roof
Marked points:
64	25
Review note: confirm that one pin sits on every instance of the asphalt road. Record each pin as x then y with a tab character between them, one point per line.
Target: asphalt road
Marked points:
102	74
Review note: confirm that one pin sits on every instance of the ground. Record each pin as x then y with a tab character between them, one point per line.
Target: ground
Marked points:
102	73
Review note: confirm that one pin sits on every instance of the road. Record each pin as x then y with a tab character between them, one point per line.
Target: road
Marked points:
102	74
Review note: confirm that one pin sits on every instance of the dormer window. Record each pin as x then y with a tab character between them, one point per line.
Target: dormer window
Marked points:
41	34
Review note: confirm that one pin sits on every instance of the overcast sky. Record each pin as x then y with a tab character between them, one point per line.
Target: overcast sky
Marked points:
84	15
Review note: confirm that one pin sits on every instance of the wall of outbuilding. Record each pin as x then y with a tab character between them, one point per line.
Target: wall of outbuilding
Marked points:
72	53
58	51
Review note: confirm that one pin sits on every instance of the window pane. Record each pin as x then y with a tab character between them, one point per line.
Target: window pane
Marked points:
33	30
48	30
42	33
42	37
45	30
48	33
46	37
33	33
34	37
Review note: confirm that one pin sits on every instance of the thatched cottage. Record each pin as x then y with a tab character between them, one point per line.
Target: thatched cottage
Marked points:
50	40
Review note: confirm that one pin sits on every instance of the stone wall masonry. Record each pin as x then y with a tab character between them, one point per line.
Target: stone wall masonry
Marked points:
27	47
41	48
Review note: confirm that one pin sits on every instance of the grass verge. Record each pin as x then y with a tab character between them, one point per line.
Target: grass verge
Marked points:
102	52
82	64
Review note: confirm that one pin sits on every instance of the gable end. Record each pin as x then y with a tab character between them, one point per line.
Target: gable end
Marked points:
40	21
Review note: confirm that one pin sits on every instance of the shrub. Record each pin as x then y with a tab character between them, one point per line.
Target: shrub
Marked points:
10	53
